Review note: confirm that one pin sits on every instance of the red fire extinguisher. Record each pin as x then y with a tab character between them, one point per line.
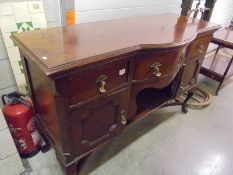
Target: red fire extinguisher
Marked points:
19	117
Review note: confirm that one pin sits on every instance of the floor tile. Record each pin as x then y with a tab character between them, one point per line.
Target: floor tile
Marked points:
9	148
11	165
3	124
168	142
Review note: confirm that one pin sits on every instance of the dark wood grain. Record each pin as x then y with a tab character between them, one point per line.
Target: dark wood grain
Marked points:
85	81
82	44
169	61
193	60
74	114
97	122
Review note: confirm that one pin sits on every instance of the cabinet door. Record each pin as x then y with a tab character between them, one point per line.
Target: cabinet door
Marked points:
190	73
97	122
194	58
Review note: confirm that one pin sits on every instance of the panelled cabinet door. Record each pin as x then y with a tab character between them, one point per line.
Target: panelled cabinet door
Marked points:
190	74
97	121
194	58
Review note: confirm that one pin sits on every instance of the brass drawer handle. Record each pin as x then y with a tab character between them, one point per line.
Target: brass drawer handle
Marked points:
200	48
156	70
123	117
102	83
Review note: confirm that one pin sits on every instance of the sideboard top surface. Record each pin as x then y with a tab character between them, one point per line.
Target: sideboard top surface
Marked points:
60	48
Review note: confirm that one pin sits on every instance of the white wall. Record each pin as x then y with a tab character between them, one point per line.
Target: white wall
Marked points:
223	12
95	10
7	80
52	12
8	154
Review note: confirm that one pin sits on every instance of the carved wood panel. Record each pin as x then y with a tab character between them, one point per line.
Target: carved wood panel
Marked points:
194	58
92	124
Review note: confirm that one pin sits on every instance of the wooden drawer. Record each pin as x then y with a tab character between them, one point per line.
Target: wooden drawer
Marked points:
156	64
96	82
198	48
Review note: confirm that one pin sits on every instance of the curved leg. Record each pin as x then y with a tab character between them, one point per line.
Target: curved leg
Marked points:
184	108
184	105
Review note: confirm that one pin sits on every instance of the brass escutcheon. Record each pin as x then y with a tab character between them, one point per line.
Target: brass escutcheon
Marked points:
102	83
156	70
123	117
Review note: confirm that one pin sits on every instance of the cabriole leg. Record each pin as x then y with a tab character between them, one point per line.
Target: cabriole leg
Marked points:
184	105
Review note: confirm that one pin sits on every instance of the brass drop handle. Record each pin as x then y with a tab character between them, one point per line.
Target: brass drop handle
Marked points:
156	69
101	80
200	48
123	117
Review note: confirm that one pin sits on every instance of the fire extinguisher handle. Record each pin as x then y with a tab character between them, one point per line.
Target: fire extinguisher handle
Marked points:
3	99
20	94
22	101
15	97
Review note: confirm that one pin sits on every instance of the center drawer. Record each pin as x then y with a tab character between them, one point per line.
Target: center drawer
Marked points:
96	82
157	64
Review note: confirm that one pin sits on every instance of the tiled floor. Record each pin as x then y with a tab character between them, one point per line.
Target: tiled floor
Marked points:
167	142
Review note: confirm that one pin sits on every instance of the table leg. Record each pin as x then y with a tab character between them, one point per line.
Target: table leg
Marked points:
184	105
224	75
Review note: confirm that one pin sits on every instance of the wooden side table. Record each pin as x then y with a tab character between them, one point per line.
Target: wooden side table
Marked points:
218	66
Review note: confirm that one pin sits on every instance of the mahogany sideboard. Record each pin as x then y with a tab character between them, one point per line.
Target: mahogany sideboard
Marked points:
88	82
